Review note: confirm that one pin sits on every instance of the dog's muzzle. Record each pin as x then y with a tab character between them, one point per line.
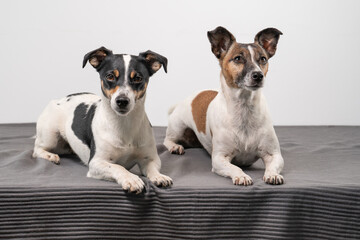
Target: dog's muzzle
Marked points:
122	102
257	77
255	81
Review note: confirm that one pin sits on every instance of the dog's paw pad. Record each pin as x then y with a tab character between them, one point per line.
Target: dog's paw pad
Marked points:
133	184
177	149
275	179
244	180
162	180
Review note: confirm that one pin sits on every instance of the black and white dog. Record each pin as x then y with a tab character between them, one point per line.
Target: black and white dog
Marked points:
110	133
232	124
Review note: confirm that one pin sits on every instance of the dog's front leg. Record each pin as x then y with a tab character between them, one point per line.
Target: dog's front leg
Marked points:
274	163
102	169
150	167
221	164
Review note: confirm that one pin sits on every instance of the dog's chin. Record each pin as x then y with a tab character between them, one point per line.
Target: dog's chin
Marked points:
121	112
252	87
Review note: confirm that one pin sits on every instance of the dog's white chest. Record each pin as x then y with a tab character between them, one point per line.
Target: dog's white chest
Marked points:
125	156
124	152
246	148
244	159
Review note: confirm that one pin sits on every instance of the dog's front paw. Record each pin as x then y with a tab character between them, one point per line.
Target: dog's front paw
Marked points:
177	149
133	184
242	180
275	179
52	157
161	180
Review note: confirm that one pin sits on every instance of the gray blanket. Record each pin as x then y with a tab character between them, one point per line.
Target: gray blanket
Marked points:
319	200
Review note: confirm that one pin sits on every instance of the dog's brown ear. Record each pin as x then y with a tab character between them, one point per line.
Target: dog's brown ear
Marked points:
268	39
221	40
96	57
153	61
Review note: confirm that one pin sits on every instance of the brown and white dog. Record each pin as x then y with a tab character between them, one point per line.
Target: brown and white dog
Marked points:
233	125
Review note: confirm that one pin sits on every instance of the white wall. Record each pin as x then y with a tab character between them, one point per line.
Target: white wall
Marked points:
313	78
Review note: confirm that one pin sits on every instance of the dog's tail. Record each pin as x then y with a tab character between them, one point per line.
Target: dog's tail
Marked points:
171	109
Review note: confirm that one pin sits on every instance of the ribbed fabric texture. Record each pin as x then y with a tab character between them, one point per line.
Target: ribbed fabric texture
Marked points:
179	214
39	200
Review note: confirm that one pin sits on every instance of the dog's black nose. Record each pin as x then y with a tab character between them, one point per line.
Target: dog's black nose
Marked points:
257	76
122	102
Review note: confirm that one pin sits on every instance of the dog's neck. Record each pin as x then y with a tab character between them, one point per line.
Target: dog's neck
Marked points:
243	106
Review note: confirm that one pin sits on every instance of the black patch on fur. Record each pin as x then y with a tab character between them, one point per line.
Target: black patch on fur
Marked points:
111	63
77	94
82	122
141	70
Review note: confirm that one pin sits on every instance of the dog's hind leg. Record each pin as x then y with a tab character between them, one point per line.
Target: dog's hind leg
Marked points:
174	134
49	141
45	143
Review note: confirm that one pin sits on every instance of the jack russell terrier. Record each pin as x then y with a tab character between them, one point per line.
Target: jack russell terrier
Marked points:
233	125
110	133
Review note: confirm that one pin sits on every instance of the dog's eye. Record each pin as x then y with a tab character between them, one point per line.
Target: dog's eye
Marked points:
137	79
263	60
237	58
110	77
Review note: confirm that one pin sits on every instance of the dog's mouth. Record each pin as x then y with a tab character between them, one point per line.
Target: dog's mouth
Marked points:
253	87
122	111
249	85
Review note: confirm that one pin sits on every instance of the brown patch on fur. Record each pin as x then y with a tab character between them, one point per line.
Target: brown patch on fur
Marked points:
230	69
141	93
132	74
189	139
113	90
199	108
259	51
109	92
116	72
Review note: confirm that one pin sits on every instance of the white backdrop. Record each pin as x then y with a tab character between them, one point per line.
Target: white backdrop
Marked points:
313	79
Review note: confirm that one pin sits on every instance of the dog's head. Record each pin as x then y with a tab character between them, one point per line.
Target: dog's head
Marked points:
124	78
244	65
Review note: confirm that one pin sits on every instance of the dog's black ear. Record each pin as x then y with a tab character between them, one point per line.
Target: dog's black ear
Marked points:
268	39
153	61
221	40
96	57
